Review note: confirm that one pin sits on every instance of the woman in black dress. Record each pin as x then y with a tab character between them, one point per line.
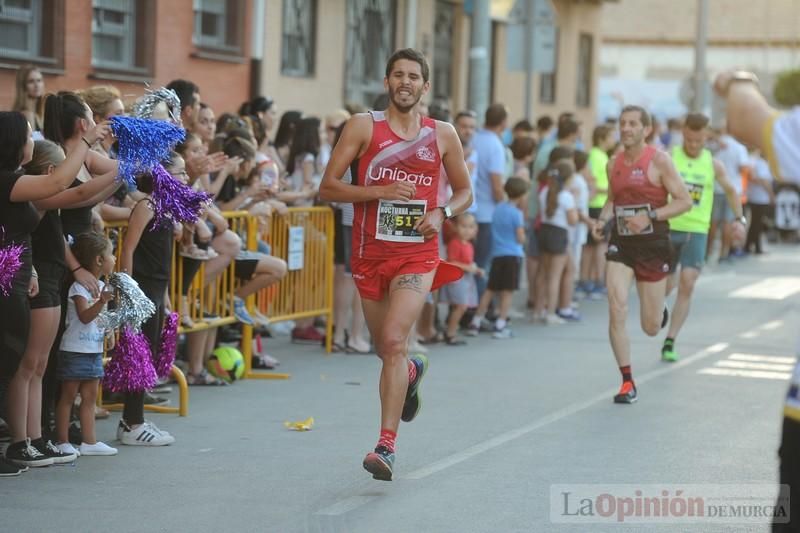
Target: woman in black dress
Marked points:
19	218
147	257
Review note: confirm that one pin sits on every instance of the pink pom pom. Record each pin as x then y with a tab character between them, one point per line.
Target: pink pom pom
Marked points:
169	345
131	369
10	263
173	201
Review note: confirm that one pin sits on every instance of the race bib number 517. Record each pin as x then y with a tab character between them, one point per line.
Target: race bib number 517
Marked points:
396	220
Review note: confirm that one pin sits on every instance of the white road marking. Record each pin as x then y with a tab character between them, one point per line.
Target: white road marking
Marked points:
761	374
762	358
773	288
749	335
775	324
353	502
754	366
503	438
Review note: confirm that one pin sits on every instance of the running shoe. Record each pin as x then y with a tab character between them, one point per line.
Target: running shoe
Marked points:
380	463
240	312
504	333
627	393
98	448
9	469
145	435
67	447
24	454
554	320
668	353
48	449
413	402
570	316
307	335
471	331
598	293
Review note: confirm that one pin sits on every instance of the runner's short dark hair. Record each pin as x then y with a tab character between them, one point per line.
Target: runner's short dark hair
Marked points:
696	121
644	116
411	55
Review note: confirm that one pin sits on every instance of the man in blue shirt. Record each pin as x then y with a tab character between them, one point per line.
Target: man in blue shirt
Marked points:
489	180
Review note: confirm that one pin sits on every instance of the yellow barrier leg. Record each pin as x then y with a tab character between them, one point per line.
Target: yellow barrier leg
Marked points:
183	399
183	389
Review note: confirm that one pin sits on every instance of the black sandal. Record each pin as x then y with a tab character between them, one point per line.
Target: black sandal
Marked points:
454	341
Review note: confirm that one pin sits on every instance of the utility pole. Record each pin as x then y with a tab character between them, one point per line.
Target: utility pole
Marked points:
411	23
529	29
480	53
700	82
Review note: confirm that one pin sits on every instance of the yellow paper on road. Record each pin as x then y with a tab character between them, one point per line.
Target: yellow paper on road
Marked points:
302	425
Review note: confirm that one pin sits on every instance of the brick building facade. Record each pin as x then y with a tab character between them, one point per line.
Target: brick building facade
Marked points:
130	43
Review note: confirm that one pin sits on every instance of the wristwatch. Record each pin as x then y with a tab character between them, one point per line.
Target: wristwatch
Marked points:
743	220
448	213
740	75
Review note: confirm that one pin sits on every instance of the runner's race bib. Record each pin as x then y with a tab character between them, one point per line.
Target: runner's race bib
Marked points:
624	212
695	193
396	220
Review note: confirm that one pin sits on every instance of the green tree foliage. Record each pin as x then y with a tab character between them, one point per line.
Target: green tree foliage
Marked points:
787	88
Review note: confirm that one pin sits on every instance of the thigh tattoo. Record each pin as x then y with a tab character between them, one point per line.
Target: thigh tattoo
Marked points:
410	281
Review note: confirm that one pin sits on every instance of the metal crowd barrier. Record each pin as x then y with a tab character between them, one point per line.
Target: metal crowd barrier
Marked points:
304	238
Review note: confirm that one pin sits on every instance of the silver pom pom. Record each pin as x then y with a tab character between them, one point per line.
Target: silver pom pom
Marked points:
133	307
145	106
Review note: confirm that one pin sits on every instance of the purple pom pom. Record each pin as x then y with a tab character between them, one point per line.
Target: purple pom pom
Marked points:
169	345
173	201
10	263
143	144
131	369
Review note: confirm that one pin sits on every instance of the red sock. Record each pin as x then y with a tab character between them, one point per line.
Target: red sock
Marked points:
412	372
387	439
626	373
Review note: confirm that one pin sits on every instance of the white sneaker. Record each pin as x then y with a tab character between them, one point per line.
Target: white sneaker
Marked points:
66	447
145	435
98	448
554	320
122	426
504	333
153	426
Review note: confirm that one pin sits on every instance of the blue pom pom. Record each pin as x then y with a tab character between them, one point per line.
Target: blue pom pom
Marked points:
143	144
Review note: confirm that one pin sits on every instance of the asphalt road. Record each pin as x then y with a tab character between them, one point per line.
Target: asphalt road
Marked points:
506	425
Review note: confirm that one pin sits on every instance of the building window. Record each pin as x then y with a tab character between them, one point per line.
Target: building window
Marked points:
370	42
218	25
547	82
444	26
21	28
114	34
584	95
299	37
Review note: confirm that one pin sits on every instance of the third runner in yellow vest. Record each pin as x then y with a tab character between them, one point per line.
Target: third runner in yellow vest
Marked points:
689	232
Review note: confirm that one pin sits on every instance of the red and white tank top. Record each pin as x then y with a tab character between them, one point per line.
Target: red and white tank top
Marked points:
381	228
633	192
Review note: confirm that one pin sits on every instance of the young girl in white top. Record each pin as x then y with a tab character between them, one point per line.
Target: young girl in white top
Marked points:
559	213
80	358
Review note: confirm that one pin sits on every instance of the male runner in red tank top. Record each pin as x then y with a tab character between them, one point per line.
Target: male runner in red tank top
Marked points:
645	190
395	157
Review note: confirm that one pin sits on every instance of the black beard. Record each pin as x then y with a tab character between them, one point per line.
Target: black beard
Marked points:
404	108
